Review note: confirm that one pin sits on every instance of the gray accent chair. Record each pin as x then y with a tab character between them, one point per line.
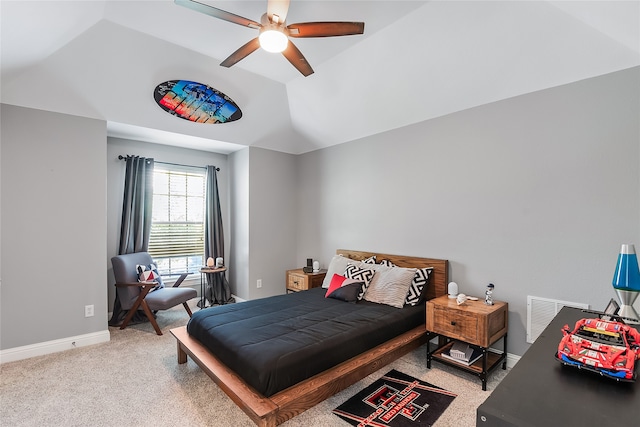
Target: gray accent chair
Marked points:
151	296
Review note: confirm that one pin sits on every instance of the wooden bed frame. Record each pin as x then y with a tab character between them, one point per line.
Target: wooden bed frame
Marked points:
286	404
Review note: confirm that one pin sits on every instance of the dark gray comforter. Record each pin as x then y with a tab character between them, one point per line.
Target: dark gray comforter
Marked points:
276	342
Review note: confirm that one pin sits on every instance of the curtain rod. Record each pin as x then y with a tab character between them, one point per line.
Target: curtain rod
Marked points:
121	157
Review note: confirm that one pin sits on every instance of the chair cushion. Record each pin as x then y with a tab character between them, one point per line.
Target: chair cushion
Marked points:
165	298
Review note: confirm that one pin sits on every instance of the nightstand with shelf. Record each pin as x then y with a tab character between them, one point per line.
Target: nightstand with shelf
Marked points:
298	280
473	323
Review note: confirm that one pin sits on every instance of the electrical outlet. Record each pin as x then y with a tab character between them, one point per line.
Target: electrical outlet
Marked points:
88	310
259	283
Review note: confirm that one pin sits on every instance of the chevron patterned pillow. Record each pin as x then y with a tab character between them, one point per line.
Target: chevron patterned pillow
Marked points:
418	287
363	275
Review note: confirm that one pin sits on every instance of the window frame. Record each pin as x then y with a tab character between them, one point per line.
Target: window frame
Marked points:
191	262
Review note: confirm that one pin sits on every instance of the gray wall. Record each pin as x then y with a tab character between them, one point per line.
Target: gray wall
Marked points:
534	194
272	220
160	153
54	217
264	227
239	201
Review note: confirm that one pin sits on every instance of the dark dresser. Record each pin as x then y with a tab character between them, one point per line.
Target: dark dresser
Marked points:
540	391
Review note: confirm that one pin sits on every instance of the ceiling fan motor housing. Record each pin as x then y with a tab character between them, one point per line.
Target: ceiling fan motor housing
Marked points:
273	36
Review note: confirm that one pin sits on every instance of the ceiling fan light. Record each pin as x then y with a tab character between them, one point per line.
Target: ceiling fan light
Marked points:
273	41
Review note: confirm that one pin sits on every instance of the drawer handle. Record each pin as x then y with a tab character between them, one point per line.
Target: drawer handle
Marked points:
453	323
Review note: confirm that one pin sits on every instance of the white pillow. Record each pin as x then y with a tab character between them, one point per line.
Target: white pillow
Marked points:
390	286
336	266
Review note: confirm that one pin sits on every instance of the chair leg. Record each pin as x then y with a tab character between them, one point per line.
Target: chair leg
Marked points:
152	319
132	311
127	318
143	293
186	307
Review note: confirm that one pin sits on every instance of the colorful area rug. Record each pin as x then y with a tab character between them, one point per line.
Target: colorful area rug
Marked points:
396	400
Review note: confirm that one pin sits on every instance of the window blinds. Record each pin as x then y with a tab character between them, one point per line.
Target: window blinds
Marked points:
177	229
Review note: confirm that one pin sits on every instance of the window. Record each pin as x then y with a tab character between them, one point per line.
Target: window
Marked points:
176	242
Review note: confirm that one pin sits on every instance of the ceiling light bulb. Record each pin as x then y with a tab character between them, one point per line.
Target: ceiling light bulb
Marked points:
273	41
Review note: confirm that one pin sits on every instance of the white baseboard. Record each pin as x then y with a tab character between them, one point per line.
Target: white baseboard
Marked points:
512	359
48	347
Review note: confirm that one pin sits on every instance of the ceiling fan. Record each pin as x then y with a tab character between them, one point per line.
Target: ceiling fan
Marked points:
274	34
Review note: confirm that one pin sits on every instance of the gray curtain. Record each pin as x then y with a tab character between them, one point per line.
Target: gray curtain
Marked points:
137	205
136	220
218	290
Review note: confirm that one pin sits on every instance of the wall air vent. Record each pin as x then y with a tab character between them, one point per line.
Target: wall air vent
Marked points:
540	312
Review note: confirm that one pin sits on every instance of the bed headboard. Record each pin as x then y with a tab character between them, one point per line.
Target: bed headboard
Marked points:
438	280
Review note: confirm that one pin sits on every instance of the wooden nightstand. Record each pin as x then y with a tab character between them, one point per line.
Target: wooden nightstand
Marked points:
298	280
474	323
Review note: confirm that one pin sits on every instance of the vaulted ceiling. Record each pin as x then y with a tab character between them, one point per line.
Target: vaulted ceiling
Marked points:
416	60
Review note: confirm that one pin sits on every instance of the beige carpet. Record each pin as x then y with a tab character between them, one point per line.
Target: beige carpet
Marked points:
134	380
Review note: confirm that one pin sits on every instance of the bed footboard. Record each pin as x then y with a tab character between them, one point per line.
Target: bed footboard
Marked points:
284	405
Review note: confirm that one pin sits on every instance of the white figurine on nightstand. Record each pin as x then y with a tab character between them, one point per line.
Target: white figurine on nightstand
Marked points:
488	298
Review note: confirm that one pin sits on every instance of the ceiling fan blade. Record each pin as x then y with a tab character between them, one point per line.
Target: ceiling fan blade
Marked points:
244	51
218	13
279	8
325	29
297	59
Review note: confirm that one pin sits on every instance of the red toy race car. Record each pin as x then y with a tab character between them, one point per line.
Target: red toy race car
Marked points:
608	347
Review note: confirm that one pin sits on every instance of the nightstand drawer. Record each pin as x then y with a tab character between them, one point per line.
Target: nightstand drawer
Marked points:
296	282
456	324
